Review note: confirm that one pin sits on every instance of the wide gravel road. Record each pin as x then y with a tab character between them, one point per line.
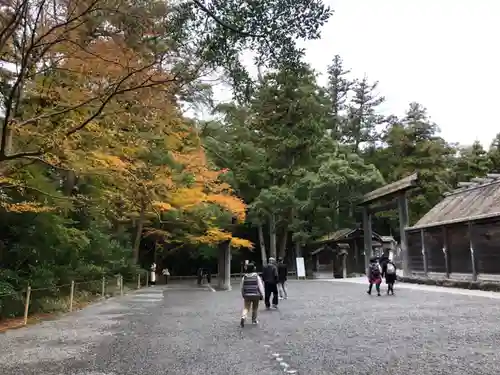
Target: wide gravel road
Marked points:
325	327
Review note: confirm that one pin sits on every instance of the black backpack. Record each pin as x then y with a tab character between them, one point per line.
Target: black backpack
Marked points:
374	270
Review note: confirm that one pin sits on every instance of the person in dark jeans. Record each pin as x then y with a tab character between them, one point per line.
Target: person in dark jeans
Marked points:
282	276
199	276
270	277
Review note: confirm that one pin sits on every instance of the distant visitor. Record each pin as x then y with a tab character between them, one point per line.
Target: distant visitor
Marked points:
152	279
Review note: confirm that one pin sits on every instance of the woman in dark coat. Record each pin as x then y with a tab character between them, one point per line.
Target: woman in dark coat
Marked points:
389	272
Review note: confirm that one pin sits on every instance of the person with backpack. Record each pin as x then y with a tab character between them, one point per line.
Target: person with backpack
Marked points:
383	260
389	271
252	291
374	276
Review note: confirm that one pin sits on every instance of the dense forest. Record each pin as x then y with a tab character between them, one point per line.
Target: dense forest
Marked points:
101	172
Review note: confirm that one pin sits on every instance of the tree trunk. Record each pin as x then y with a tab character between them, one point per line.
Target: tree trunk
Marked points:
263	253
224	266
69	183
138	233
298	250
9	141
283	244
272	235
336	224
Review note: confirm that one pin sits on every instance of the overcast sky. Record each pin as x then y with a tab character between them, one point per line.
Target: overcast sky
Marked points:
444	54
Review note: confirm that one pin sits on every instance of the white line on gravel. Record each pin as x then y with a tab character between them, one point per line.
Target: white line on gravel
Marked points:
211	288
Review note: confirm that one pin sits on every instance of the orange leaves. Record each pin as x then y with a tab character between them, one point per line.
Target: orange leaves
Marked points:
162	206
23	207
185	198
84	67
215	236
231	203
109	161
241	242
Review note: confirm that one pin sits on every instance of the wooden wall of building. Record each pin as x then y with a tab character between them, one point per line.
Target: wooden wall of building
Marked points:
447	249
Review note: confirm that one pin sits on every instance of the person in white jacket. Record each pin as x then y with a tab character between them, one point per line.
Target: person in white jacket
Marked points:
152	278
252	291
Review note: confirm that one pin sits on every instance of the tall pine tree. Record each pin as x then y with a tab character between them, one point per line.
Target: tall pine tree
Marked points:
338	89
362	116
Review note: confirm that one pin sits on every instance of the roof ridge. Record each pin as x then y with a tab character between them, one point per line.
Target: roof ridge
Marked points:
470	188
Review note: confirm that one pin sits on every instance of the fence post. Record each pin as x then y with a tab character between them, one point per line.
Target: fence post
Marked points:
27	304
71	295
138	281
103	287
147	279
121	285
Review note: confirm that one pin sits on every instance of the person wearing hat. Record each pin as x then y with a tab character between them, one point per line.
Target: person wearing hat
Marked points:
270	277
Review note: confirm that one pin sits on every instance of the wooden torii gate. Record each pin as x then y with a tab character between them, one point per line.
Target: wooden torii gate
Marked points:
391	194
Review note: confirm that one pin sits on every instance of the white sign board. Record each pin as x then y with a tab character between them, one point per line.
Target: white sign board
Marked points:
301	269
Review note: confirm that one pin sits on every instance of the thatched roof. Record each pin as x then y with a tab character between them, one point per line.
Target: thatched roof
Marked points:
474	202
390	189
345	235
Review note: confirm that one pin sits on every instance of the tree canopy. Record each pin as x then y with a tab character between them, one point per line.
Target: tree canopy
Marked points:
102	172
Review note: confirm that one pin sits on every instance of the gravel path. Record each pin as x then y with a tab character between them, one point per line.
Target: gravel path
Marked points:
324	328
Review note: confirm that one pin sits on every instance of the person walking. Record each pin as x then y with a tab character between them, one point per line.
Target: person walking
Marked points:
374	276
152	279
208	275
166	273
270	276
383	260
282	277
389	271
252	291
199	276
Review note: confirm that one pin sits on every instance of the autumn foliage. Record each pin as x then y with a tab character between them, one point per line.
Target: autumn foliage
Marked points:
93	101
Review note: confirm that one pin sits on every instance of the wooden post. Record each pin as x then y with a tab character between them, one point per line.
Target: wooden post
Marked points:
333	261
27	304
227	268
298	250
147	279
103	287
138	281
403	223
356	257
121	285
445	252
224	267
424	255
344	266
367	231
472	256
71	295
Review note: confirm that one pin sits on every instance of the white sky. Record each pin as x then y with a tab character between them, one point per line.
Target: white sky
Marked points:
443	54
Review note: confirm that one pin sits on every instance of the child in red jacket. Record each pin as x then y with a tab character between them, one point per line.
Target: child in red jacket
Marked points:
374	276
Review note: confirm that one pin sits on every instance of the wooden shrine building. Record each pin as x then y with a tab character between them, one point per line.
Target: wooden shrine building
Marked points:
460	237
387	197
342	252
